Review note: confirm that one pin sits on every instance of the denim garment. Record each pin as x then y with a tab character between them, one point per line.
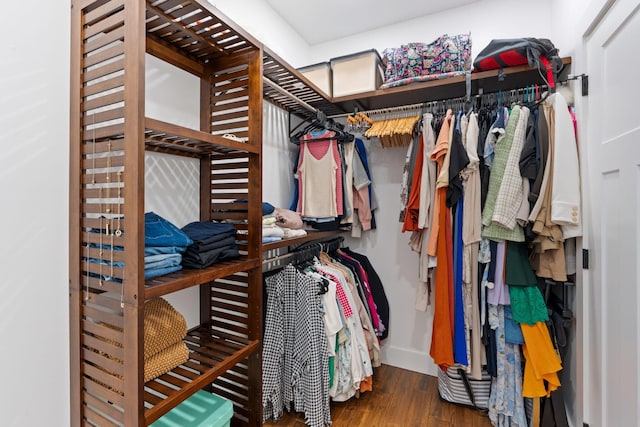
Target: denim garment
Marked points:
163	250
207	231
205	259
170	260
150	274
198	247
160	232
157	257
512	331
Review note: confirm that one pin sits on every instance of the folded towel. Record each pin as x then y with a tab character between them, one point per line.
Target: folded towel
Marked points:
272	232
289	233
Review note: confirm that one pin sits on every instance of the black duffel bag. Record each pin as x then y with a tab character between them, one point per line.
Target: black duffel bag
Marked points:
501	53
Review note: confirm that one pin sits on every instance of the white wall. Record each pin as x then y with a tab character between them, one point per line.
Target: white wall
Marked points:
566	16
486	20
34	187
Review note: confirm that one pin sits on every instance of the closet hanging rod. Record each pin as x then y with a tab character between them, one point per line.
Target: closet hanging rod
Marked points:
289	95
384	110
435	101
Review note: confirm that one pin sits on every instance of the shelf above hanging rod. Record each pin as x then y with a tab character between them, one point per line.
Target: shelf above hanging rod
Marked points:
449	88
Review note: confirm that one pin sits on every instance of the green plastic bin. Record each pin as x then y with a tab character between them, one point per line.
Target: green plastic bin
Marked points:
202	409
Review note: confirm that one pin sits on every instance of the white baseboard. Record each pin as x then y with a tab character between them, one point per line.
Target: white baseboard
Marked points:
409	359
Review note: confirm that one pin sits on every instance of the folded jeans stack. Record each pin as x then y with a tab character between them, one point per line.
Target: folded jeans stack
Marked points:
212	242
164	244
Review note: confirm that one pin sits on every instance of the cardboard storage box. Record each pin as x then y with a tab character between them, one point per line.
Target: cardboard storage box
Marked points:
320	75
357	73
202	409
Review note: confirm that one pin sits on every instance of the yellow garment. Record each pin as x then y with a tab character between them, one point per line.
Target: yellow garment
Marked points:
164	327
165	360
542	362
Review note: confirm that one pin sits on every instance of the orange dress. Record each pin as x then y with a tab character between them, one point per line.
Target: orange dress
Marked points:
441	245
410	222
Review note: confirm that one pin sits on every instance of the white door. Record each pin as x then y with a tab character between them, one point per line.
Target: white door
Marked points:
611	146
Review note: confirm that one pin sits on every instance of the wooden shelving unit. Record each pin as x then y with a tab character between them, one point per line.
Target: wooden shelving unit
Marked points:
109	137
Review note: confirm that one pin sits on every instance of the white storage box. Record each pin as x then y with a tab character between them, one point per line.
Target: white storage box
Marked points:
357	73
320	75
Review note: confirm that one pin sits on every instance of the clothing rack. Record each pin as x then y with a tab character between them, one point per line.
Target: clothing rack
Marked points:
510	95
301	253
320	122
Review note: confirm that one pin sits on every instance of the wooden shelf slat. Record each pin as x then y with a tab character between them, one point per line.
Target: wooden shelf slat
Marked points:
187	278
176	137
229	354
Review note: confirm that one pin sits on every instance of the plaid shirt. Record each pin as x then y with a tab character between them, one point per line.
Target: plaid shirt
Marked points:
493	230
510	195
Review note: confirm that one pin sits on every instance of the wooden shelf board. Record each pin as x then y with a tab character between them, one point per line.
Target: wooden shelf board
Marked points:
414	93
210	356
278	71
159	134
196	30
187	278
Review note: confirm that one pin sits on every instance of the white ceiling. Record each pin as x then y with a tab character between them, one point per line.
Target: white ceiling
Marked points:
321	21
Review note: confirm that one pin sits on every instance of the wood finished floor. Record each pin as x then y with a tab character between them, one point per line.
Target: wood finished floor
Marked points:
400	398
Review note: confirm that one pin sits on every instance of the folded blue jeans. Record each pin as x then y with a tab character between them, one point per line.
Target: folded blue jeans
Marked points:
155	272
160	232
208	231
163	250
162	261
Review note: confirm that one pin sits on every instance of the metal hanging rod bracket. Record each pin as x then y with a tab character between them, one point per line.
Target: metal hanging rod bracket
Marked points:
584	79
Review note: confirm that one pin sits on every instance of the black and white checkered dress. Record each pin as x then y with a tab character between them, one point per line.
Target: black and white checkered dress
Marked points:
295	358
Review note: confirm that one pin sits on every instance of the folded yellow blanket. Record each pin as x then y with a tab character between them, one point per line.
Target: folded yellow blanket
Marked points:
165	360
164	326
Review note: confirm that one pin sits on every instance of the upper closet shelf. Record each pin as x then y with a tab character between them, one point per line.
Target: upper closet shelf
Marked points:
195	30
453	87
290	90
